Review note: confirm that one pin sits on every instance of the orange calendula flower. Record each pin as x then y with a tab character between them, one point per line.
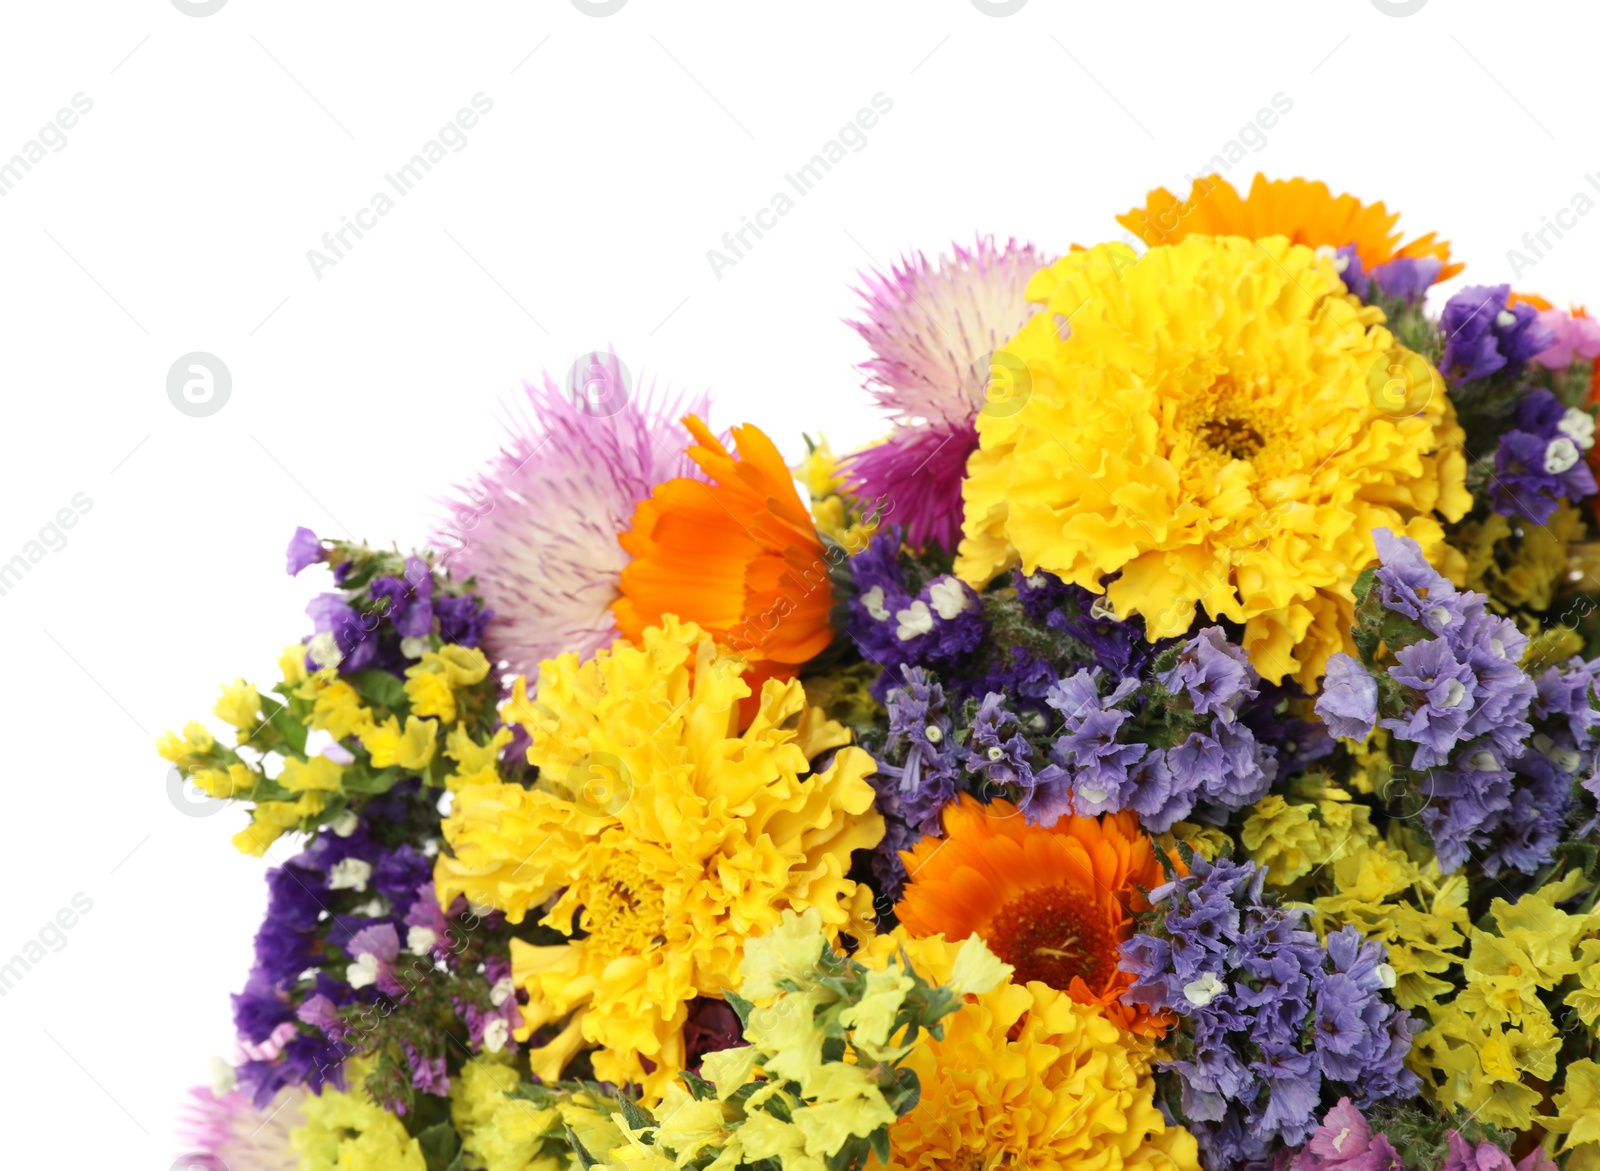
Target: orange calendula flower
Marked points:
1054	903
739	557
1304	211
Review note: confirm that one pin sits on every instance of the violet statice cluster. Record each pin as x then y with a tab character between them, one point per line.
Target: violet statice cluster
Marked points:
1540	461
1404	278
1214	761
1273	1023
387	611
899	623
1457	704
1486	335
322	904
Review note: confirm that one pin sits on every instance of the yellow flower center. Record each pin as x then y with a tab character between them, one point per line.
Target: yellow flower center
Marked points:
623	910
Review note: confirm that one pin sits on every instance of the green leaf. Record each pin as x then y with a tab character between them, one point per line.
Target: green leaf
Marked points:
636	1116
699	1088
380	689
740	1006
358	779
441	1146
585	1160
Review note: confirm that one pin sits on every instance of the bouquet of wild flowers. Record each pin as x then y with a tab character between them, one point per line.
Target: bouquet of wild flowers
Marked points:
1172	746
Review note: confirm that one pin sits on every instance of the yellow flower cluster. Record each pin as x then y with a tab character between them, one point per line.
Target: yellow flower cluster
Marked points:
1404	903
1521	565
1210	424
1290	840
1496	1043
349	1132
515	1134
832	509
1024	1076
667	835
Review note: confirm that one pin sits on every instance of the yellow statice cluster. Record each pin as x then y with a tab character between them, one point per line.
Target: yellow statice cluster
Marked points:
1211	424
505	1133
1289	840
1025	1076
1495	1044
1404	903
835	513
1518	564
347	1131
666	834
819	1080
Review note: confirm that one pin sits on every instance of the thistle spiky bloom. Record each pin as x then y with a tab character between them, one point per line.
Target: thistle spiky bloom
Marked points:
538	527
932	327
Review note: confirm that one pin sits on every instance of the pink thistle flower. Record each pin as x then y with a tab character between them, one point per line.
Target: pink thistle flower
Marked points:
932	328
228	1133
538	528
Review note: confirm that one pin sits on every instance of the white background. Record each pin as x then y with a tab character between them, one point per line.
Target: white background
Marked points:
219	150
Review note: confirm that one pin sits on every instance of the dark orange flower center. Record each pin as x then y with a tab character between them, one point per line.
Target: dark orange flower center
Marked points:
1052	935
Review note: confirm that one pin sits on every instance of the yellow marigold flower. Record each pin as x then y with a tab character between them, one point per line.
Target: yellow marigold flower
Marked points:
675	835
317	773
229	782
196	741
411	749
348	1132
292	664
1027	1077
273	819
240	705
1209	425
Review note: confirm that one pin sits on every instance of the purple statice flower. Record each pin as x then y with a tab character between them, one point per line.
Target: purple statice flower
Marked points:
1349	700
462	620
1118	647
304	549
1540	461
916	475
428	1074
932	328
374	951
1098	764
1466	714
1002	757
1347	263
1275	1017
1407	278
538	528
490	1029
1484	335
408	600
354	635
941	624
913	793
712	1027
1216	675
